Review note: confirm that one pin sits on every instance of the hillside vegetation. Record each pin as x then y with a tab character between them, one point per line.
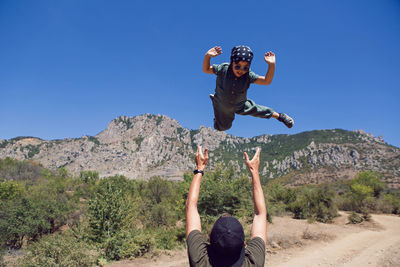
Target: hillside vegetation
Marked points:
64	220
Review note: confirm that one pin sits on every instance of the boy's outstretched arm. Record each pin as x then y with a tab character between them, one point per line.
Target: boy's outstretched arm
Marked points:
270	59
259	227
192	215
213	52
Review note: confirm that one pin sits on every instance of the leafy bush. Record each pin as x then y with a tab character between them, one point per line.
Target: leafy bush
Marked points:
355	218
371	180
278	199
10	190
315	203
364	194
59	250
28	217
161	215
169	238
11	169
360	193
108	208
128	244
162	203
222	192
89	177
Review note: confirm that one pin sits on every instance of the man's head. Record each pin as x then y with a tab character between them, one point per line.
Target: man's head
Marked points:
227	242
241	57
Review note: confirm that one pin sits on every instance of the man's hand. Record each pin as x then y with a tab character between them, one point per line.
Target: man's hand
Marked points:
201	160
269	58
253	164
215	51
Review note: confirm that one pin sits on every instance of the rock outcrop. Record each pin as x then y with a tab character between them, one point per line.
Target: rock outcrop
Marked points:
149	145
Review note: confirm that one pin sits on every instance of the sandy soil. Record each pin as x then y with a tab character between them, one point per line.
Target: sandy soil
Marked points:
298	243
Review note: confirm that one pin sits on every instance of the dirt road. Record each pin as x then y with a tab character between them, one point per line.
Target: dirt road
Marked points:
301	244
366	248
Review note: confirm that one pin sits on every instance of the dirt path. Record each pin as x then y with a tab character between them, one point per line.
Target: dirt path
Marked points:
297	243
366	248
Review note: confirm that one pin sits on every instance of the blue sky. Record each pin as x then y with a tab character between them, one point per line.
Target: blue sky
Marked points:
67	68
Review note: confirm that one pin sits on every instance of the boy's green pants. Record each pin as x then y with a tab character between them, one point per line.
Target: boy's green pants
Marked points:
224	113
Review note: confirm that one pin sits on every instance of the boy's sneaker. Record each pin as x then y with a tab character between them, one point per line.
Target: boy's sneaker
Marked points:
211	97
288	121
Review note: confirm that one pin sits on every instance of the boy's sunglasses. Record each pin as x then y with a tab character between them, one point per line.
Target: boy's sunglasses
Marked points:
245	68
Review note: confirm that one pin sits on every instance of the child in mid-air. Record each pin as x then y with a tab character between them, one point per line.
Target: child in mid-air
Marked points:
233	80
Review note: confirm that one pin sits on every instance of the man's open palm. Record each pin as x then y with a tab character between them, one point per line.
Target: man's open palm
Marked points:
254	162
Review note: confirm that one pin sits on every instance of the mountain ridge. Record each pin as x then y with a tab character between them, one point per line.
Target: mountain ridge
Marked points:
157	145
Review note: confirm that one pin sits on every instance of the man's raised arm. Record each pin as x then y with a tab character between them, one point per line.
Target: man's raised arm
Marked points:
192	214
259	227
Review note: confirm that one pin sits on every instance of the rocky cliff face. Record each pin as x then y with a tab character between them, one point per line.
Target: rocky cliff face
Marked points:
149	145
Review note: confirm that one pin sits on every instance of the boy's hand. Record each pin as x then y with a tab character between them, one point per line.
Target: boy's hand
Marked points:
215	51
253	164
269	58
201	160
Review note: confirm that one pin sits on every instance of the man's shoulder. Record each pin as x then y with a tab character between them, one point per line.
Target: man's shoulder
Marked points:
255	252
197	249
195	234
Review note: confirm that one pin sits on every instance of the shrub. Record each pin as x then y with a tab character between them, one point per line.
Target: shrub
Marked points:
10	190
278	199
128	244
278	193
168	239
389	203
16	170
89	177
364	194
355	218
42	211
360	193
372	180
59	250
161	215
366	216
158	189
223	192
315	203
108	208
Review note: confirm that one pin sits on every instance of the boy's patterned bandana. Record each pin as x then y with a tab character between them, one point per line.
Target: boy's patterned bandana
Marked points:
241	53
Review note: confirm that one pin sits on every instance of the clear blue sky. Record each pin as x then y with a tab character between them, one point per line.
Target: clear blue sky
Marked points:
67	68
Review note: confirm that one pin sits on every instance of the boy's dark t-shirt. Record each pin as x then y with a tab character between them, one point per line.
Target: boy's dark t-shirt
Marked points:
230	89
197	251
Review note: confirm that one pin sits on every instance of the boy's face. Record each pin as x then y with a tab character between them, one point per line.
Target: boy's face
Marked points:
241	67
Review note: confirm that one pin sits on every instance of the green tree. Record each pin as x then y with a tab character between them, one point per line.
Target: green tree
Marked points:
372	180
109	207
315	203
41	211
360	193
224	192
158	189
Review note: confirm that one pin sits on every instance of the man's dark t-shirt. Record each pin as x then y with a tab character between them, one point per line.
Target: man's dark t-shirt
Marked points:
197	250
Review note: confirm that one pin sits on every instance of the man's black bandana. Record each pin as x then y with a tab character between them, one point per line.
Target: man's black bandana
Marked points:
241	53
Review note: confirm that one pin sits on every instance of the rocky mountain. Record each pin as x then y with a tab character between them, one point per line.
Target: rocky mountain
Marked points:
149	145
